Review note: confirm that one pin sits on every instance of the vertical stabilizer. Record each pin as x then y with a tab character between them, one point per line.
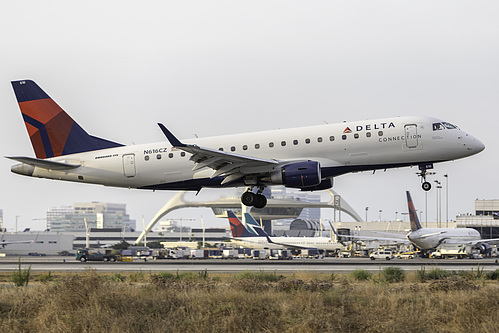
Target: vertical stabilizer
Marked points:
51	130
413	216
237	228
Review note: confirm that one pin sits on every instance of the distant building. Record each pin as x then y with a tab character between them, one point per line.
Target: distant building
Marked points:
97	215
485	220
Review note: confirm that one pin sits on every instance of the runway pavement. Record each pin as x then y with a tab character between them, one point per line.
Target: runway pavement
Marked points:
69	264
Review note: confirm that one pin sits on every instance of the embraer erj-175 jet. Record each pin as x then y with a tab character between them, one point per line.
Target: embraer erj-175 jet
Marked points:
307	158
253	236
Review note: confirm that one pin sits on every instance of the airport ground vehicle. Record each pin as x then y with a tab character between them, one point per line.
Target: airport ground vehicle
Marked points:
382	254
84	255
406	255
445	253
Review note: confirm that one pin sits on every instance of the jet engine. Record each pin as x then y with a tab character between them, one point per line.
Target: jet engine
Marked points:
298	175
485	248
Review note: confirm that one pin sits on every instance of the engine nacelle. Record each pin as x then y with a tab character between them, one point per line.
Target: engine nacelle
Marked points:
485	248
299	175
324	185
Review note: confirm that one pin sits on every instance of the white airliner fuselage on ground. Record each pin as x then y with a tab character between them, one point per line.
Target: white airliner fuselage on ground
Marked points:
307	158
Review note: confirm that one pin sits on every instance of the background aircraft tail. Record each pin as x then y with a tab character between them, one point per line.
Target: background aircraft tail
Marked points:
51	130
254	226
415	225
238	229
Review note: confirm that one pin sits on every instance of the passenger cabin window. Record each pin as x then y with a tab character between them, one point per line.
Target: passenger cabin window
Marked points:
146	158
283	143
232	148
356	135
307	140
295	142
331	138
170	155
380	133
343	137
245	147
271	144
221	149
368	134
182	154
257	146
158	156
319	139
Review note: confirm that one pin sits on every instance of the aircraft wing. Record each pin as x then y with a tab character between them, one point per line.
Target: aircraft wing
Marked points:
232	166
16	242
46	164
371	238
473	242
291	246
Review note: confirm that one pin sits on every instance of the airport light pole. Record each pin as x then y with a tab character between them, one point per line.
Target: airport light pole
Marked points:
367	208
380	211
437	197
396	216
446	200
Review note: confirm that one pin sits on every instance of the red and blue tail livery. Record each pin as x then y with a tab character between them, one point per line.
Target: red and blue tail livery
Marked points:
237	228
51	130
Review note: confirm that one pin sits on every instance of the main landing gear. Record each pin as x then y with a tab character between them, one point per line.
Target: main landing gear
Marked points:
423	173
257	200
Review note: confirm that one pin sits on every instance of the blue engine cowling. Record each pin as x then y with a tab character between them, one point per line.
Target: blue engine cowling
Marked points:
299	175
485	248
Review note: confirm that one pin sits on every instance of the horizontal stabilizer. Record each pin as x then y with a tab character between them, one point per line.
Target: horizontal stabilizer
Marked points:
46	164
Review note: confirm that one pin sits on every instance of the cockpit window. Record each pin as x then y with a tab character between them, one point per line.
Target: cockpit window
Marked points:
449	125
438	126
443	125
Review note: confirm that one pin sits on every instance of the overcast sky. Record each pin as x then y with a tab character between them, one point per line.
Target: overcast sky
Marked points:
219	67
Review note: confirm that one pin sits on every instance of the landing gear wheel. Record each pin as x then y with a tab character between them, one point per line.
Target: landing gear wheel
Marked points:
260	201
248	198
426	186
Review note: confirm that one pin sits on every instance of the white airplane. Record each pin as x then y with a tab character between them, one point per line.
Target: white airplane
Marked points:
254	236
307	158
431	238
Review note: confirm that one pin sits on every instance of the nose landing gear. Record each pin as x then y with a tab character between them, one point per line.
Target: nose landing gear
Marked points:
257	200
423	173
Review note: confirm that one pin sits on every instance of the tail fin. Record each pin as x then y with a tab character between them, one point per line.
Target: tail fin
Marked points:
51	130
237	228
254	226
415	225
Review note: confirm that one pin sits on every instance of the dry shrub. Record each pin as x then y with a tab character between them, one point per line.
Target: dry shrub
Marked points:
88	302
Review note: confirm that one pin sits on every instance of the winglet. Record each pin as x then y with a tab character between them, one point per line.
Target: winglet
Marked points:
172	138
334	230
415	225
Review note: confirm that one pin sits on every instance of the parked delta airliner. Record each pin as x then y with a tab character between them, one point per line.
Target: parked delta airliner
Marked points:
307	158
432	238
253	236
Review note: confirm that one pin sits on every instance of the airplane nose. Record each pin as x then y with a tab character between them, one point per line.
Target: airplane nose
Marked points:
475	145
479	146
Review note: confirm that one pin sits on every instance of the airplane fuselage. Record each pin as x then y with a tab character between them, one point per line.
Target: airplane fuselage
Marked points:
338	148
431	238
320	243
